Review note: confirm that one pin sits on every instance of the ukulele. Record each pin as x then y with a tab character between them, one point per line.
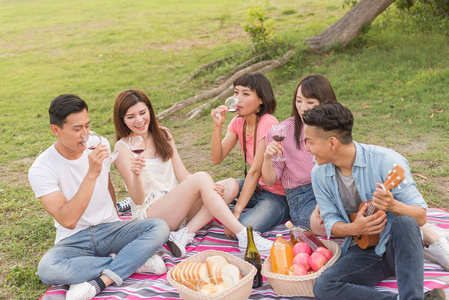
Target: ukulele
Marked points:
393	179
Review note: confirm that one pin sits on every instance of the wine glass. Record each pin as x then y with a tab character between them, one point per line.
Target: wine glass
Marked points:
92	141
278	133
231	103
112	156
137	144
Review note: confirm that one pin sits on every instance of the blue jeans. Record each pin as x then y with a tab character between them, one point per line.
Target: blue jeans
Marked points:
267	210
84	256
301	202
354	275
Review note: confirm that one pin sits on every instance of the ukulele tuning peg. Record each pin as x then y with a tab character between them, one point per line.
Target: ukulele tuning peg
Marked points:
389	171
399	187
398	178
405	181
395	165
388	177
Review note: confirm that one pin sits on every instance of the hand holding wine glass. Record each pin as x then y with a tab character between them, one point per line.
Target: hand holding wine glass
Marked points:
231	106
278	133
137	145
92	140
96	158
272	149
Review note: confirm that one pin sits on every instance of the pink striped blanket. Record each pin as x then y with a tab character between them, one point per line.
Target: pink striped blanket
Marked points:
211	236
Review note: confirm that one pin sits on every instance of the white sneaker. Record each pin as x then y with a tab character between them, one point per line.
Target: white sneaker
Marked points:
81	291
178	241
262	244
438	252
154	265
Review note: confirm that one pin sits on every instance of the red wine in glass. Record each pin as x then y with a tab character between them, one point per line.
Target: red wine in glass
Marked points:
278	138
278	133
137	151
92	140
137	144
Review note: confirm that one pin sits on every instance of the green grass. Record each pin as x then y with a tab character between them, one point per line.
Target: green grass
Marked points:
393	80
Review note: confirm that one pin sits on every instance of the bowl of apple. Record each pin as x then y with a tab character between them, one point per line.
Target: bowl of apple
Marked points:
307	267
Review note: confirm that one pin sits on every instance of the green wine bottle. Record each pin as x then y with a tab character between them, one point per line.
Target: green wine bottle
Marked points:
253	257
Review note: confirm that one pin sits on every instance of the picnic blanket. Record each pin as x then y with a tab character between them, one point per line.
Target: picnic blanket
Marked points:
211	236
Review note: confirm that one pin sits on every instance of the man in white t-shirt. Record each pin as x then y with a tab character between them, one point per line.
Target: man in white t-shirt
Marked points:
93	247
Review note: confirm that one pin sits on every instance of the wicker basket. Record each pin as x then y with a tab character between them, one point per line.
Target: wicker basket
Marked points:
240	290
285	285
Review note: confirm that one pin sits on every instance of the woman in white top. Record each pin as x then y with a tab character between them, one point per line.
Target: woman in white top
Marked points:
152	177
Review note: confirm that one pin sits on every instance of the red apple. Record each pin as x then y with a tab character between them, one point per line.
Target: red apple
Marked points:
317	260
326	252
301	247
299	270
302	259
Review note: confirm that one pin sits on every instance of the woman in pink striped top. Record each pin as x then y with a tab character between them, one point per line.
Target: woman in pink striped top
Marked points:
295	171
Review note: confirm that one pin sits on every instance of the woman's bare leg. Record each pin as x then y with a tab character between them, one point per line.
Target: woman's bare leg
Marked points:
200	215
429	236
175	206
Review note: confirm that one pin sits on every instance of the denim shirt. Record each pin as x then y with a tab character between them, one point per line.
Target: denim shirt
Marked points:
371	166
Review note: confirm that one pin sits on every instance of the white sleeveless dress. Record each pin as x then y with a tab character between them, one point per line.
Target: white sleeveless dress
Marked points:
158	179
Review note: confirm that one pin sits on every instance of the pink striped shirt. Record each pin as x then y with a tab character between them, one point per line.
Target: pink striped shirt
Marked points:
295	170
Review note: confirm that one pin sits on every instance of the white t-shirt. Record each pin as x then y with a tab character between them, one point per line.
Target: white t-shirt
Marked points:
52	172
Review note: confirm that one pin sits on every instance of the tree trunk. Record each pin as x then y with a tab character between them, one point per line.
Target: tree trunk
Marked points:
211	93
228	91
197	110
262	66
207	66
349	26
222	78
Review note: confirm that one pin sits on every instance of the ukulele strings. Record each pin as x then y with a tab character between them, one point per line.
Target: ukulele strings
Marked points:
370	210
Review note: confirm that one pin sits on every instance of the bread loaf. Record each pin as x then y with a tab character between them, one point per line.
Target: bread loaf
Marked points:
230	273
214	265
216	274
189	274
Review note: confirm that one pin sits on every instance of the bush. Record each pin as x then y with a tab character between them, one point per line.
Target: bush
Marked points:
438	8
259	27
426	15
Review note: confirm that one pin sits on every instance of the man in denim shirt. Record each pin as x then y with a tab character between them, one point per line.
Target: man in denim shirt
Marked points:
346	174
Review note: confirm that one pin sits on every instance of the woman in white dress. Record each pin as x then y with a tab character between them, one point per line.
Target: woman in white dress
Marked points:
159	184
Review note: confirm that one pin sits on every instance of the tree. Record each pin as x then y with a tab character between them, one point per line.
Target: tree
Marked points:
350	25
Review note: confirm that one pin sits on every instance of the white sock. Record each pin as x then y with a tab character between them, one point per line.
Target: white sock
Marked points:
242	234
